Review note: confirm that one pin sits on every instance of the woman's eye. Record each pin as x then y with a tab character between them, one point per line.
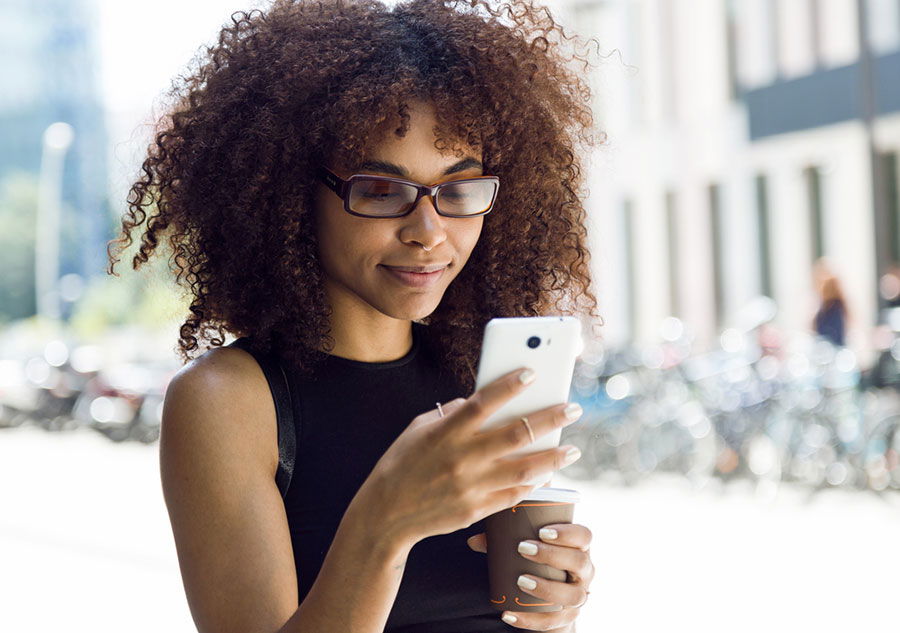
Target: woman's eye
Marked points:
380	196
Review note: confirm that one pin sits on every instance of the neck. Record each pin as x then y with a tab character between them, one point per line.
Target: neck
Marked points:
365	334
372	344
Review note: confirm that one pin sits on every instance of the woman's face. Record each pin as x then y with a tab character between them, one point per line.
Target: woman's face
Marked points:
354	251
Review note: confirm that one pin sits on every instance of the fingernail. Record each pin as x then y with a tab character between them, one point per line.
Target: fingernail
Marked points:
526	583
509	618
548	534
527	377
573	411
527	548
572	455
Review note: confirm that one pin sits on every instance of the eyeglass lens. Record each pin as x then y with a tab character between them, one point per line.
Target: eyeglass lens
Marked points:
383	197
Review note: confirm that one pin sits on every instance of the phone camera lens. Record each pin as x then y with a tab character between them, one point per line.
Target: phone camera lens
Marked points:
533	342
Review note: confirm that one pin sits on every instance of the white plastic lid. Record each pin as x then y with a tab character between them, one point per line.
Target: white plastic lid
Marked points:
546	493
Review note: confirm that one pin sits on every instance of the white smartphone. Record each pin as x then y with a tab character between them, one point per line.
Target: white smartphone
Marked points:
550	346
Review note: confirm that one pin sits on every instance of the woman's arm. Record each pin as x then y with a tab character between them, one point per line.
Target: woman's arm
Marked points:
358	582
218	456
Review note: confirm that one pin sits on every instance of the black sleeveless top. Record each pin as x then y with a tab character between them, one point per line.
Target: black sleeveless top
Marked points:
346	416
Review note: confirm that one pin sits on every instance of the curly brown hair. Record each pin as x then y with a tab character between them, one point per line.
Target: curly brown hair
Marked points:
230	175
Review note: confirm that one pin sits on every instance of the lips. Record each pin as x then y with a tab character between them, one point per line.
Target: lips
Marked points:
414	279
418	269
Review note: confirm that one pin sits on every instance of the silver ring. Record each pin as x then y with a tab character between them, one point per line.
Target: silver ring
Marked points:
528	426
440	410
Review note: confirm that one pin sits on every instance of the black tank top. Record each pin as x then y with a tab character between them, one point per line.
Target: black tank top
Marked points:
347	415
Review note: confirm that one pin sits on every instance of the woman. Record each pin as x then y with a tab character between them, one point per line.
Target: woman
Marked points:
380	526
830	320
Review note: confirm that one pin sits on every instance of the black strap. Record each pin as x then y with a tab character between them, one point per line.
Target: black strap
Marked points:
284	413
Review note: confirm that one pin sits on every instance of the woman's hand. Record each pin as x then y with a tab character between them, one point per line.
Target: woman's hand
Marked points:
569	552
443	474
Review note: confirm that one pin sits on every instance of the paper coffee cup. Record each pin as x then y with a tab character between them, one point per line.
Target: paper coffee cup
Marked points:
523	521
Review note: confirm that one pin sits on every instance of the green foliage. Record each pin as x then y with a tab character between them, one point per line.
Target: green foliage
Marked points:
147	298
18	212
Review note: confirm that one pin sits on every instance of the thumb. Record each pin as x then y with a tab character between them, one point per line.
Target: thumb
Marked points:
478	542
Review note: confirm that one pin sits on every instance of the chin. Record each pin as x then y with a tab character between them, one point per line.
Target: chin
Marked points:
418	310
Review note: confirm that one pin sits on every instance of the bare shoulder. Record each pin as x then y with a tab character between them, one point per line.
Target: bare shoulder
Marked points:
225	392
222	365
218	454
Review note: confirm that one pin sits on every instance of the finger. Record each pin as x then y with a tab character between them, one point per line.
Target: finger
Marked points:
449	407
569	559
567	534
542	621
452	405
518	471
478	542
514	435
567	594
484	402
433	415
550	621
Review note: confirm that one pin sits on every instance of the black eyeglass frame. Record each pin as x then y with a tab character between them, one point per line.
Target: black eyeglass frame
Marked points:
341	187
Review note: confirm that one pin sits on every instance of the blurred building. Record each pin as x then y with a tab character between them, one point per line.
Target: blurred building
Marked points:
742	136
48	73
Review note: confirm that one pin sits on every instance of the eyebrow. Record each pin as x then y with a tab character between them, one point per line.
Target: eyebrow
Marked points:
391	168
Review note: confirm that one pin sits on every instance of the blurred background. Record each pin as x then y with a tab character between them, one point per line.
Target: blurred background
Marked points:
740	434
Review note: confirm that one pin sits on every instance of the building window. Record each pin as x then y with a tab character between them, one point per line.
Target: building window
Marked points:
715	226
673	253
764	235
892	197
731	61
813	179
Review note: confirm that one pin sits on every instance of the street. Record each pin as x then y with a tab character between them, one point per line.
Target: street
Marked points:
85	545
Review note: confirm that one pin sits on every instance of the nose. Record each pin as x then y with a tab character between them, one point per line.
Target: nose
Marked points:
424	225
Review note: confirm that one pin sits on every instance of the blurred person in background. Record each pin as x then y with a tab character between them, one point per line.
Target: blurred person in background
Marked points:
886	369
294	178
830	321
889	286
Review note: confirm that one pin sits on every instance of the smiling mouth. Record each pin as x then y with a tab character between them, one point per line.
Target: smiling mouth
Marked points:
418	269
414	279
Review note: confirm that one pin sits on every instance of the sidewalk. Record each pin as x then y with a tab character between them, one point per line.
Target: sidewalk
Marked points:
85	545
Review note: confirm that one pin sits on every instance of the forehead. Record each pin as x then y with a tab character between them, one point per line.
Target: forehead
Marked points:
420	137
418	155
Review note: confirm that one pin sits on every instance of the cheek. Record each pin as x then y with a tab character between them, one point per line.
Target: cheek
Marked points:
351	249
338	242
468	239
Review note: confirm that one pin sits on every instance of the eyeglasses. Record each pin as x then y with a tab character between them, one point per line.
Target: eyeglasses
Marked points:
384	197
